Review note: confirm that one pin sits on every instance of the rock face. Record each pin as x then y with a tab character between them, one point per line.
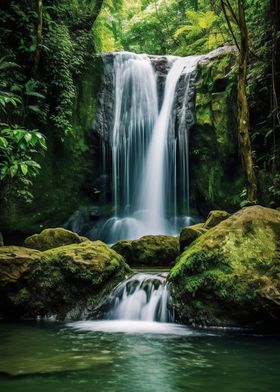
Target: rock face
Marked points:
231	274
190	234
217	175
151	250
52	238
54	282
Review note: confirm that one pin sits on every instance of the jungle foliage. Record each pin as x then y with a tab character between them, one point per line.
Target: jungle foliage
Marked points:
44	48
45	45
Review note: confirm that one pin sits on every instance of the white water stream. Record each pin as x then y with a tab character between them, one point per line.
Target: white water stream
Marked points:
149	148
142	297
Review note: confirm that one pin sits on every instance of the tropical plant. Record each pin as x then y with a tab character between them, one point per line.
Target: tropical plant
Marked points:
17	147
203	32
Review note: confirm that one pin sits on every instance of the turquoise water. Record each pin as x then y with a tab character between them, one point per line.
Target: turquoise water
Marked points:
133	356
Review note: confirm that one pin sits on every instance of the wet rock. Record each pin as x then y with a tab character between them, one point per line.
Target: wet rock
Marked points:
190	234
151	250
53	238
214	218
57	281
230	276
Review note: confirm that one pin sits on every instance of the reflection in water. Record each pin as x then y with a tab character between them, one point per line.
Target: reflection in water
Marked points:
72	357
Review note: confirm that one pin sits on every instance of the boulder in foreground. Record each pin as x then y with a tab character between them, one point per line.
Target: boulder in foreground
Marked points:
231	275
58	281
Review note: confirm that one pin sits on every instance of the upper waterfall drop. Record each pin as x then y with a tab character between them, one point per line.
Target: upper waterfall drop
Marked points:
161	161
149	145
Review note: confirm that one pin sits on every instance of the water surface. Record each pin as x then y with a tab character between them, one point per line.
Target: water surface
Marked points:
120	356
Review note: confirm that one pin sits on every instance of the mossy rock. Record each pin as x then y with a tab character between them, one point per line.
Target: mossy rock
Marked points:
190	233
217	174
59	280
214	218
150	250
1	240
53	238
230	276
15	261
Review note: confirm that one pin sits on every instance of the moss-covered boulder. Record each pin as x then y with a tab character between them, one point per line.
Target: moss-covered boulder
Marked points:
214	218
150	250
190	234
52	238
1	240
231	274
57	281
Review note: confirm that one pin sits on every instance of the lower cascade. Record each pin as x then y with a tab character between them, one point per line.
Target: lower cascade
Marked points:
144	297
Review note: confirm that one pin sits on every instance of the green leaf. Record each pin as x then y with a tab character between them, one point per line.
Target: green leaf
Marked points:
13	170
28	137
24	168
3	142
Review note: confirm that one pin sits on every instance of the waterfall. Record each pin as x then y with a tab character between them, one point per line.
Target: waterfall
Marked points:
161	162
144	296
149	146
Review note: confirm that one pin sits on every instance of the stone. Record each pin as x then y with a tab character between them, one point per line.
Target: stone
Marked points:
16	261
150	250
214	218
230	276
57	282
190	234
52	238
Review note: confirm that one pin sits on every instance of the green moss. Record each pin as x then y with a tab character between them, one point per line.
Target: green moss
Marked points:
52	238
60	279
230	270
216	175
149	250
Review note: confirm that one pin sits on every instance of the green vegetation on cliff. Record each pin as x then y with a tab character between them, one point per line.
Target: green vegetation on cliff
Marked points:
58	97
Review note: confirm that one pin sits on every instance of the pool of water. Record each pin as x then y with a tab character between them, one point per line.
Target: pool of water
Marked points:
121	356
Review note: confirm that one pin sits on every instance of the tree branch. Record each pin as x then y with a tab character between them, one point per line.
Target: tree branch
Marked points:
229	24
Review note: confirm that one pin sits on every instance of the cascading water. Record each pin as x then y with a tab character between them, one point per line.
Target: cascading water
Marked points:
158	188
149	147
136	110
142	297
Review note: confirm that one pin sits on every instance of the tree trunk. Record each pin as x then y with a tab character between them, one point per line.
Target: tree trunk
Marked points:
244	125
275	80
39	35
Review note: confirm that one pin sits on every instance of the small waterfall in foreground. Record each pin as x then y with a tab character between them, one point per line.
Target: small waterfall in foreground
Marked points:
149	145
144	296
